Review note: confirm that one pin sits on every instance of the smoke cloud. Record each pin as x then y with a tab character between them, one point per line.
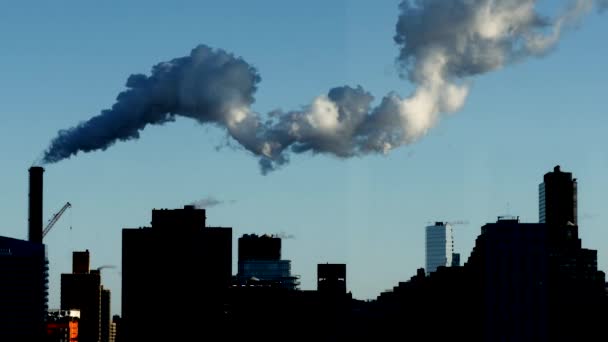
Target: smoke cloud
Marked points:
442	45
208	202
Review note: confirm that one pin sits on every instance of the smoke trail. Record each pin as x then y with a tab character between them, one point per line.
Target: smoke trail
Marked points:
442	45
208	202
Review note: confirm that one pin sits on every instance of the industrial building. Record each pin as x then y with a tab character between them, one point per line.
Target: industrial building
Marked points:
175	275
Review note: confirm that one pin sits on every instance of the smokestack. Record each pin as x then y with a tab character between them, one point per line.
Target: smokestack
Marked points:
35	204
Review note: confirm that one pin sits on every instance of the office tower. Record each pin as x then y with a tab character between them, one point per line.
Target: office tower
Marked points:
23	290
439	246
105	315
260	262
331	279
557	198
174	277
62	325
81	290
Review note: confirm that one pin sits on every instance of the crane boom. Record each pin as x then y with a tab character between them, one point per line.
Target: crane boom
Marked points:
55	218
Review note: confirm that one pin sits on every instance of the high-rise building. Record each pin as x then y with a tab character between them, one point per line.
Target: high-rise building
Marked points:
175	275
105	315
557	198
260	262
23	290
81	290
439	246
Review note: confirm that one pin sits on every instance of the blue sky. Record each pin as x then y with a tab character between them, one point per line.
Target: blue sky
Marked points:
63	62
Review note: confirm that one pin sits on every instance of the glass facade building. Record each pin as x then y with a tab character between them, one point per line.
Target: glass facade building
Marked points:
439	246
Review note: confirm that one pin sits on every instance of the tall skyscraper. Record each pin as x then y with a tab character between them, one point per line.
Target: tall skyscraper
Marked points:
105	317
175	275
439	246
557	198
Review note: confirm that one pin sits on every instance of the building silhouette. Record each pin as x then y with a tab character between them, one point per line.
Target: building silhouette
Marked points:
62	325
81	290
260	262
23	290
331	279
105	315
175	275
24	274
115	329
439	246
533	277
557	198
521	282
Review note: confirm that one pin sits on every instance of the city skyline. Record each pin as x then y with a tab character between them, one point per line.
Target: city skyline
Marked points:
484	161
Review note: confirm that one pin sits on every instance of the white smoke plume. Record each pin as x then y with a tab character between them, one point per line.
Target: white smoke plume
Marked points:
442	44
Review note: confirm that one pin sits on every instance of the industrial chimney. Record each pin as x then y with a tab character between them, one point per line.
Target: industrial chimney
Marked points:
35	204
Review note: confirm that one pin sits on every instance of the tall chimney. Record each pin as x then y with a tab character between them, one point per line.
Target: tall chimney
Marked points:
35	204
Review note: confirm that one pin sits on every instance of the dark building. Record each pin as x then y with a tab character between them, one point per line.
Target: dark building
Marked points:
254	247
557	198
81	290
62	326
105	315
23	290
331	278
455	260
175	275
115	329
81	262
522	282
260	263
534	277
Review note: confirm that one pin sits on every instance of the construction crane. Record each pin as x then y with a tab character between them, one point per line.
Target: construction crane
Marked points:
55	218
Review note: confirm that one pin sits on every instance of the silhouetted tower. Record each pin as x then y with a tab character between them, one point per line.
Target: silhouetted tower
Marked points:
557	199
175	275
331	279
105	318
35	204
81	290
